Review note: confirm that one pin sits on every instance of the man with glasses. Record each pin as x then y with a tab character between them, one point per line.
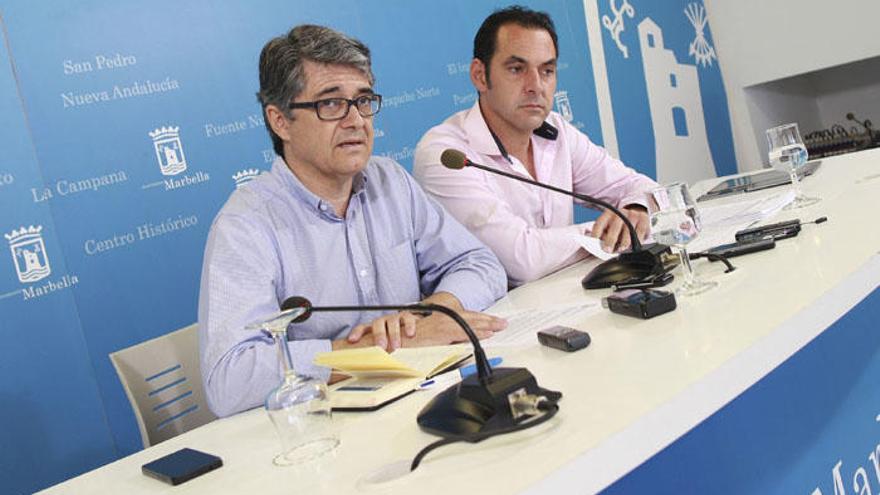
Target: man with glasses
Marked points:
331	223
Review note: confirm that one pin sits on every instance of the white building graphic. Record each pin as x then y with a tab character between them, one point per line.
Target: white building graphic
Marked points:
169	150
242	177
681	144
29	253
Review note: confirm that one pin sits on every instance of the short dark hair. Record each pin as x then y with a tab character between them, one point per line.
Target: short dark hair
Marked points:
486	40
281	65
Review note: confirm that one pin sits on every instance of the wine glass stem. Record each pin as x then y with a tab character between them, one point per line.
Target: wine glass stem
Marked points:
795	182
686	266
283	353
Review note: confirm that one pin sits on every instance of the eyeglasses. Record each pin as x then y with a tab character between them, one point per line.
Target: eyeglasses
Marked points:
338	108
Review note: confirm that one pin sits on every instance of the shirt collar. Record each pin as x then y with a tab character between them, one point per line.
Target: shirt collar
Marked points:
295	186
485	141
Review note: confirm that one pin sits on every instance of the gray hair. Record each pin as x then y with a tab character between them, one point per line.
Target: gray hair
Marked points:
281	65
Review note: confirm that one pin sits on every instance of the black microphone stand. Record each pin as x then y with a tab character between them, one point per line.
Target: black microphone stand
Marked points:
639	264
480	404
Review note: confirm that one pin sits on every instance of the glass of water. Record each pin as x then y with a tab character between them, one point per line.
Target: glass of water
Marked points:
676	222
300	406
788	153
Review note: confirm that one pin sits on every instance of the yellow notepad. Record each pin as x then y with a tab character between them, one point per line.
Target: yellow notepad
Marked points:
412	362
379	378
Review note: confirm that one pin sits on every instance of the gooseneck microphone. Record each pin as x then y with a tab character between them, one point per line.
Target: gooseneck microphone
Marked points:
640	264
481	405
484	370
455	159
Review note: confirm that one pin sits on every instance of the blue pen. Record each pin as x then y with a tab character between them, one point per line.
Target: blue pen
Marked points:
450	377
439	380
472	368
425	384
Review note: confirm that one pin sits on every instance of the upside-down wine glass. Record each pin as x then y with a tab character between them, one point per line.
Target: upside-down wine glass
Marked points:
300	406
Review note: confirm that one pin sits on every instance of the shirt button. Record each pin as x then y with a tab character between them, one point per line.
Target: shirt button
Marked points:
363	273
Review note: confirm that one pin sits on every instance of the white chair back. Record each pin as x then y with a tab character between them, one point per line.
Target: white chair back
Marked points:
163	382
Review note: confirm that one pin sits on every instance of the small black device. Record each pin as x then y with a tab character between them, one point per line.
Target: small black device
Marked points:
181	466
640	303
653	281
740	248
776	231
564	338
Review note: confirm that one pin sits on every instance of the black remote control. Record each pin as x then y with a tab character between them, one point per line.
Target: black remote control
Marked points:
740	248
776	231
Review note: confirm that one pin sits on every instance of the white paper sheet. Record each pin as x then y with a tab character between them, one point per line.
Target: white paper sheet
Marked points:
744	210
593	245
722	221
522	326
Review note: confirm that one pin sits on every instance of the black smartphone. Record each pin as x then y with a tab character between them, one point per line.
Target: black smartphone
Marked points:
181	466
564	338
742	247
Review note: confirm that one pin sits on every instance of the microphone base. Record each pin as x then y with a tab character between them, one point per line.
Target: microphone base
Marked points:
472	407
632	267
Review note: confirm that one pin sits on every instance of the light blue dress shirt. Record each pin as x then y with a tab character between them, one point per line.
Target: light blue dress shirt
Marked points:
274	239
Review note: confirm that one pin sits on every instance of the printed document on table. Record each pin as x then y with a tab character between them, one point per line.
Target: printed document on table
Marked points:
744	209
522	326
721	222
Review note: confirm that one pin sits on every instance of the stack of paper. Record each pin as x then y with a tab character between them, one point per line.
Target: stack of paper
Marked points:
723	220
744	209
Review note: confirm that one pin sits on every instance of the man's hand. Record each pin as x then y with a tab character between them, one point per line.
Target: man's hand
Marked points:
386	330
405	329
440	329
613	232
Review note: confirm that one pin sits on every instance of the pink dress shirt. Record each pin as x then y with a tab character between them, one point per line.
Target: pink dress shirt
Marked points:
529	228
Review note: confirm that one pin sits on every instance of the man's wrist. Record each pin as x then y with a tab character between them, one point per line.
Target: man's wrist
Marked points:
636	206
366	340
446	299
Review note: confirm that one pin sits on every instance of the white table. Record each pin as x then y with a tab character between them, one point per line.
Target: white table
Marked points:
638	387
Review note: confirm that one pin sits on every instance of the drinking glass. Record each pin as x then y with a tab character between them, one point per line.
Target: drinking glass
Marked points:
788	153
676	222
300	406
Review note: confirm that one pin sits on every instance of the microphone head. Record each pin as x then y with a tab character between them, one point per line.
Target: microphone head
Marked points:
298	302
454	159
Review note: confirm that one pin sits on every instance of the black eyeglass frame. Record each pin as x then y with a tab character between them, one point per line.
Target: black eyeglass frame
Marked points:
352	102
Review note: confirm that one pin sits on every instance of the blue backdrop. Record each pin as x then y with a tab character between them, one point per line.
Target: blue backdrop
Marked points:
125	125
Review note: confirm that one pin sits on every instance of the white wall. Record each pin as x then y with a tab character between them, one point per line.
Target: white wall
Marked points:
774	104
851	88
764	40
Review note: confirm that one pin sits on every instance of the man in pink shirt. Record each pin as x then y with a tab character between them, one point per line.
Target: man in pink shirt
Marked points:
512	128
